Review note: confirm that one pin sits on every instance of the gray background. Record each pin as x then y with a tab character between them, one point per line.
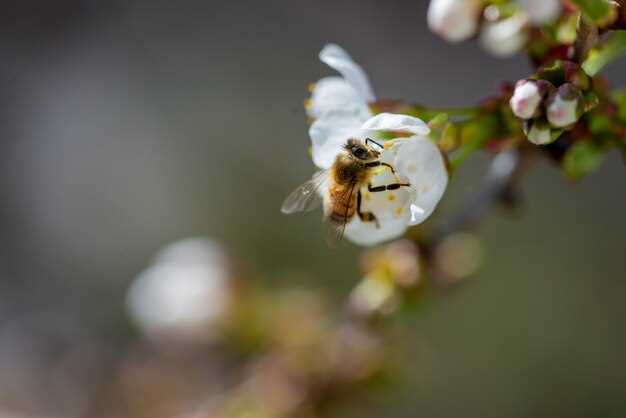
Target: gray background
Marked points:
129	124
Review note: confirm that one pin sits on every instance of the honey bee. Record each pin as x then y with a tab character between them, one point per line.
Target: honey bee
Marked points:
341	186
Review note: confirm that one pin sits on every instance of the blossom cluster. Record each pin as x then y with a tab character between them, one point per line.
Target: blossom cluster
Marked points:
504	26
565	107
552	101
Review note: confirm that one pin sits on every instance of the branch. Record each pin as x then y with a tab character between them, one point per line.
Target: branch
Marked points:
499	187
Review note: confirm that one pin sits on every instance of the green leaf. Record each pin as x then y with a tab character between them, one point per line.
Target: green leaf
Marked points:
582	158
610	49
474	134
598	11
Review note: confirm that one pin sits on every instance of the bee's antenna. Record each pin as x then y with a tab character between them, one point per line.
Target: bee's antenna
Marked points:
367	140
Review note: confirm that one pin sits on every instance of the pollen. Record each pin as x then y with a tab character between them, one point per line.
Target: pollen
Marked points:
391	197
311	87
399	210
307	104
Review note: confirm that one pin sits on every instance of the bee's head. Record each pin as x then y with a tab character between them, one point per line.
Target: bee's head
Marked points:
361	151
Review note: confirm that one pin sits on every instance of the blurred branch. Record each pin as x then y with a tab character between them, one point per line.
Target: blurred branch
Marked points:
500	187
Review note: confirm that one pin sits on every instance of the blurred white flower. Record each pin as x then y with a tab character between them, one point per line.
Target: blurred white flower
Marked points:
563	106
505	37
454	20
351	91
416	160
184	293
541	11
526	99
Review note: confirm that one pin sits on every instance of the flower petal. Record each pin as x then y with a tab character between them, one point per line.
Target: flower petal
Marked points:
505	37
396	122
330	132
454	20
420	161
335	93
366	233
389	204
541	11
336	57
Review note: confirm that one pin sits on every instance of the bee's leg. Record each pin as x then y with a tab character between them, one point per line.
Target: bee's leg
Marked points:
378	164
365	216
393	186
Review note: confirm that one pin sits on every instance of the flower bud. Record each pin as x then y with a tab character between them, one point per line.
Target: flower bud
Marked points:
541	11
539	132
454	20
563	107
526	99
505	37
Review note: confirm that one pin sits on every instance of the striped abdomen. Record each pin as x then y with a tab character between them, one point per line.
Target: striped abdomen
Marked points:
341	205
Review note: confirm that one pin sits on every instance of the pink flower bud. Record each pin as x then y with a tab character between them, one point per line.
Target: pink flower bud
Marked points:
563	107
526	99
454	20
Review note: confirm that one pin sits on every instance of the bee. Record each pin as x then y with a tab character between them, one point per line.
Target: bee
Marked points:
340	187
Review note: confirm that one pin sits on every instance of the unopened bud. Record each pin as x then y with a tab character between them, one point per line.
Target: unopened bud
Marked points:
539	132
563	108
505	37
454	20
526	99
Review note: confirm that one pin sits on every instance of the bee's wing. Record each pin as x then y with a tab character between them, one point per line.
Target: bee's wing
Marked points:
306	197
335	229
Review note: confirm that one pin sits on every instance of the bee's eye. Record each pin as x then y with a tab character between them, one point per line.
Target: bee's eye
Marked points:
360	153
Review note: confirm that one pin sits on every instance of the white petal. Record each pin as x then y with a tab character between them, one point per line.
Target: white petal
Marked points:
526	99
396	122
562	113
366	233
336	57
335	93
330	132
454	20
505	37
541	11
419	160
390	204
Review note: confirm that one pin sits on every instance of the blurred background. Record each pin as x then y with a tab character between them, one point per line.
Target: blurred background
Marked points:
129	125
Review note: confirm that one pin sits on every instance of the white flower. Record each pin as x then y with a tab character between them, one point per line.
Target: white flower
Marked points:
454	20
541	11
562	107
504	37
526	99
184	292
416	160
351	91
